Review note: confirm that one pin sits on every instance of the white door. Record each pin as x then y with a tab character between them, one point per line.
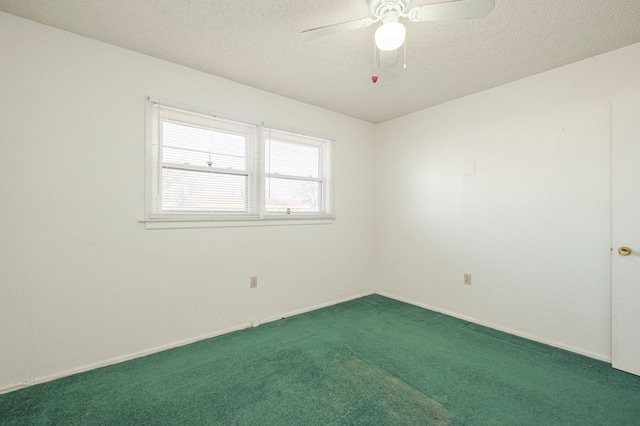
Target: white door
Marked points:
626	233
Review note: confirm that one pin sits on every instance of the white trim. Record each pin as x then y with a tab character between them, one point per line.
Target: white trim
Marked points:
151	351
294	132
212	170
538	339
204	111
298	216
293	177
257	322
228	224
179	216
314	308
236	222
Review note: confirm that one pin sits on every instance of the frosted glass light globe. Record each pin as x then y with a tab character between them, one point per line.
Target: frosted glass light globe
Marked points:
390	35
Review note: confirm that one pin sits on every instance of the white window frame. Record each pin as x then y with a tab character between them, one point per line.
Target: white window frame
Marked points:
323	147
255	215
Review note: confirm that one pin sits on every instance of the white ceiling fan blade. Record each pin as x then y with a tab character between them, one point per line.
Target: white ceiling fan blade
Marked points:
336	28
461	9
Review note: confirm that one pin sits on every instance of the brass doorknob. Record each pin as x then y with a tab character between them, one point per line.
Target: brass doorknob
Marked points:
624	250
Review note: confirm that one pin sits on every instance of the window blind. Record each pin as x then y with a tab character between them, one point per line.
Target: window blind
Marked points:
294	174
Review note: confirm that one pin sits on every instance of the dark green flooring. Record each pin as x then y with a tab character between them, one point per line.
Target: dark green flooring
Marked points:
369	361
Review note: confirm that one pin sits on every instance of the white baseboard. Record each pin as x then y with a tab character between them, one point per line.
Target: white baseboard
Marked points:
315	307
538	339
254	323
150	351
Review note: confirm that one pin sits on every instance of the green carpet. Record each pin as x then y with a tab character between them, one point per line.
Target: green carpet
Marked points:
368	361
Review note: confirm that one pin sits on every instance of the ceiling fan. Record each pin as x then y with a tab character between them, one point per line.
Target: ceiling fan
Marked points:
391	34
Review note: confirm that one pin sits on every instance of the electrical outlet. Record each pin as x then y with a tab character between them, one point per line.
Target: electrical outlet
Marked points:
254	282
467	279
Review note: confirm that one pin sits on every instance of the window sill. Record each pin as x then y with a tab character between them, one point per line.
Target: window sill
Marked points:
187	223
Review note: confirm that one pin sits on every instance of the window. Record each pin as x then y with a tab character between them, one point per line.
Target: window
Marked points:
293	173
204	167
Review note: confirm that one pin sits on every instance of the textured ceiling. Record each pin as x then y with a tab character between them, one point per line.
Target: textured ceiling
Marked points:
258	43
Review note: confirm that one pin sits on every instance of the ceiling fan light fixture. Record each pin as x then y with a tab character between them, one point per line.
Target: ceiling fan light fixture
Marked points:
390	35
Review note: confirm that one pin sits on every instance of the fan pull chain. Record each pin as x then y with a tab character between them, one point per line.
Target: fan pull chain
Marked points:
404	66
376	64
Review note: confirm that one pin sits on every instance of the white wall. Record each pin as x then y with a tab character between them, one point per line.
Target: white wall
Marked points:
532	225
81	281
